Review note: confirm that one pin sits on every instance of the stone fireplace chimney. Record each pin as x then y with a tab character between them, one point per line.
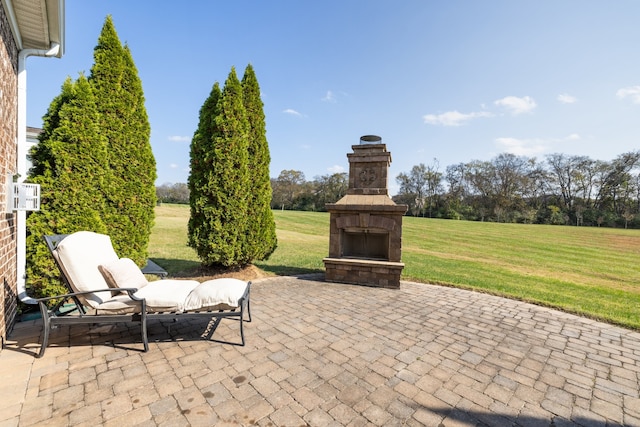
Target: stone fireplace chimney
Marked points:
365	232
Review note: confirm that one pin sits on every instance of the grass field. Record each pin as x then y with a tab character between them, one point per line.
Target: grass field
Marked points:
590	271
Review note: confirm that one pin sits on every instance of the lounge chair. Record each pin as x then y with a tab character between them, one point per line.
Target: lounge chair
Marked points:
106	289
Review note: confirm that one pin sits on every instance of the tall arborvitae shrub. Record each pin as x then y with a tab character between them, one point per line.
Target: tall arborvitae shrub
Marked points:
202	172
69	163
261	227
218	234
130	190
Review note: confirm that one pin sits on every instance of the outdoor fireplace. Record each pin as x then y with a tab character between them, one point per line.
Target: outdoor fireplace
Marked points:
365	232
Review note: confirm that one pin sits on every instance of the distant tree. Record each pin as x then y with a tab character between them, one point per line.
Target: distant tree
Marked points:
510	180
219	199
331	188
433	186
421	187
69	163
306	199
535	187
288	186
563	172
585	178
458	193
414	185
497	186
618	183
130	189
260	237
173	193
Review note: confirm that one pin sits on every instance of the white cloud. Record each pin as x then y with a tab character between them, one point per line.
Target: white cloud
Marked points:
632	92
329	97
517	105
335	169
533	146
565	98
522	147
292	112
453	118
178	138
173	166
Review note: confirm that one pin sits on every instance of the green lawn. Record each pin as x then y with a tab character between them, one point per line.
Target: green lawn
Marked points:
594	272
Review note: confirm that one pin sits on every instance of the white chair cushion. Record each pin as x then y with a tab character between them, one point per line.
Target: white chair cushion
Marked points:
119	304
123	273
80	254
161	296
167	295
216	294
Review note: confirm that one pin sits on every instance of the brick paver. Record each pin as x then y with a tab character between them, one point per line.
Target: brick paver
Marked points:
327	354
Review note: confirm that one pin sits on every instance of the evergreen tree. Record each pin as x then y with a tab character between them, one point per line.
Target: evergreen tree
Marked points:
218	233
130	188
202	172
261	227
69	164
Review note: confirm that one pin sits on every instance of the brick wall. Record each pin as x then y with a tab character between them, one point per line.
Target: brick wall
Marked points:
8	135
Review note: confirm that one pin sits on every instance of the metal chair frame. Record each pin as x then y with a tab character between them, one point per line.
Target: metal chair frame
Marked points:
55	316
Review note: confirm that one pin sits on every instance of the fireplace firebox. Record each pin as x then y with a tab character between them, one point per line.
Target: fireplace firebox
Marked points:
367	244
365	235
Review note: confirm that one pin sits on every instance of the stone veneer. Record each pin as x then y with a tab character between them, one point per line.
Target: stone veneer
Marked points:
365	231
8	153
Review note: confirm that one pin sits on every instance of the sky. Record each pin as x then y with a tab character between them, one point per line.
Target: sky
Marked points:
441	82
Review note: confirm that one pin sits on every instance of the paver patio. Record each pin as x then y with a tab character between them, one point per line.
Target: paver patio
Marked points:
325	354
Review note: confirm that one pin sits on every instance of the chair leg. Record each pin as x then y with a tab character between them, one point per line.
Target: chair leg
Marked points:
143	329
248	309
46	327
242	326
246	305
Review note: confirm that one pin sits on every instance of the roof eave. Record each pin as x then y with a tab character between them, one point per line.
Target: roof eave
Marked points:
37	24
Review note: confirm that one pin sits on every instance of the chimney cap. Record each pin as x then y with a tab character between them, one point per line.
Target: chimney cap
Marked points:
370	139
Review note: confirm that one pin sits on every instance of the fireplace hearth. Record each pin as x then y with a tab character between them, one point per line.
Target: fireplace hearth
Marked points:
365	232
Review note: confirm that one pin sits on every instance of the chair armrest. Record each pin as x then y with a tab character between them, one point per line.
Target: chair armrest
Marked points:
130	291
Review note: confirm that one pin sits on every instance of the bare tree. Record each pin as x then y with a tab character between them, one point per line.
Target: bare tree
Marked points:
628	215
433	185
414	184
585	173
562	170
421	185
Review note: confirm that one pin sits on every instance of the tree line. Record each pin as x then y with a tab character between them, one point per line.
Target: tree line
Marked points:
290	191
559	189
